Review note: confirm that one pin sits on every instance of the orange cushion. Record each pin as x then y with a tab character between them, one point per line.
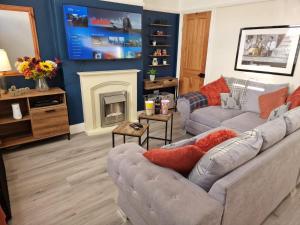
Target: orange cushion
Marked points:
2	217
213	90
294	98
181	159
271	101
214	138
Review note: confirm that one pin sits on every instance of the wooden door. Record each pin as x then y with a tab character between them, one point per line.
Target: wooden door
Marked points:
194	50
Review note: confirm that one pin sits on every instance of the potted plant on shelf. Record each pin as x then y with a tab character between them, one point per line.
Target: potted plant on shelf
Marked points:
38	70
152	73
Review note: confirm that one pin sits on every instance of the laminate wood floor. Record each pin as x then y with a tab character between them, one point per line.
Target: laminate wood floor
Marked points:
61	182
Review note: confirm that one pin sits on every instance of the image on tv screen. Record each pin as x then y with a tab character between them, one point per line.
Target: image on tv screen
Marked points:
100	34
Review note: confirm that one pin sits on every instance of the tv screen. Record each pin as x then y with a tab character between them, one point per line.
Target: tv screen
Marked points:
100	34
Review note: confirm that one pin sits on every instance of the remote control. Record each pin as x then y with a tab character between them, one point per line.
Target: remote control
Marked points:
134	126
138	125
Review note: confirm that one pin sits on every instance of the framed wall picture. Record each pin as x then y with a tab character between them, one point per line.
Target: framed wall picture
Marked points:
272	50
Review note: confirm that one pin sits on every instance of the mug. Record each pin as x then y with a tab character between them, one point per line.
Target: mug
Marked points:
165	106
149	105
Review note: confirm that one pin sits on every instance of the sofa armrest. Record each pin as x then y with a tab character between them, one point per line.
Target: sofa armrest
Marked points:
183	106
160	196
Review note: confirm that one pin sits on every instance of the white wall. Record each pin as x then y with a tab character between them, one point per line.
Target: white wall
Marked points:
156	5
225	33
130	2
162	5
196	5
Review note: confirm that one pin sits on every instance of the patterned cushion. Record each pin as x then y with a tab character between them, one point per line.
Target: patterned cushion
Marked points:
237	88
225	157
279	111
229	102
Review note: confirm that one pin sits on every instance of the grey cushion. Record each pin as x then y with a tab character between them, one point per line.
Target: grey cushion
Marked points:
213	116
292	120
253	91
225	157
244	122
229	102
256	89
272	132
279	111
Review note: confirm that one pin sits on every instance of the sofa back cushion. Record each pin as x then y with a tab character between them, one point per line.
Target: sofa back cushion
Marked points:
272	132
213	90
292	120
254	91
225	157
270	101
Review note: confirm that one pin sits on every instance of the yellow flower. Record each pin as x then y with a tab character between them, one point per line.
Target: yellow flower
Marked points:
23	66
46	66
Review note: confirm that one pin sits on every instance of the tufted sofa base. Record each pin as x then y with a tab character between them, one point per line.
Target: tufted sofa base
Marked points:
153	195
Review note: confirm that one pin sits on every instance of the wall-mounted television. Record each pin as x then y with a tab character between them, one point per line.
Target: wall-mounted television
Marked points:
100	34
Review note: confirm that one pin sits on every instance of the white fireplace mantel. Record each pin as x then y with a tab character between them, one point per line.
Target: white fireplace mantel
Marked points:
99	82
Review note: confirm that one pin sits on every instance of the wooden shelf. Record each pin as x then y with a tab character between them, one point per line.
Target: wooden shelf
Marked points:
159	56
160	25
160	45
16	140
160	65
164	35
10	119
160	82
38	123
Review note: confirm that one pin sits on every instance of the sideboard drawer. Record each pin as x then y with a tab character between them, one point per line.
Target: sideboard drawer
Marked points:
50	121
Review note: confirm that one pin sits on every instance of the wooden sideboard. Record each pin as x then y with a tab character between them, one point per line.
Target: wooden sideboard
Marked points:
40	119
160	82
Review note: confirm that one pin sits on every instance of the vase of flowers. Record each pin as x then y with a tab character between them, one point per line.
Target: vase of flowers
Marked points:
38	70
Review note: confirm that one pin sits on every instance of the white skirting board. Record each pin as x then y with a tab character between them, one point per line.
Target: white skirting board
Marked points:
77	128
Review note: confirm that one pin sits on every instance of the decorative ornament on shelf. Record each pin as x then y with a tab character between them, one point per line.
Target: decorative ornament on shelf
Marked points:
154	62
38	70
13	91
152	73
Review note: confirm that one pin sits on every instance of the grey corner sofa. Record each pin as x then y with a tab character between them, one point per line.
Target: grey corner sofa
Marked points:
246	118
153	195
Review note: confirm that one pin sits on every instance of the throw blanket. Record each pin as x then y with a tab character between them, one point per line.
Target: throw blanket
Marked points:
196	99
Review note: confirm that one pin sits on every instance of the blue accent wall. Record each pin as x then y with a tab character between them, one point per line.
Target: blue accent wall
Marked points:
52	43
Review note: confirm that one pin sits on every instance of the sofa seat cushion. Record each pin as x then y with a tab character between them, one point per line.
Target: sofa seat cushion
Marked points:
213	116
244	122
